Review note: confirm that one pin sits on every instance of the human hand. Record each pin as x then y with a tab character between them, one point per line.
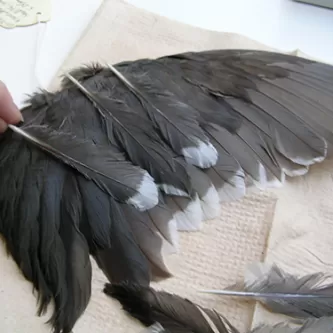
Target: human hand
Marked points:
9	112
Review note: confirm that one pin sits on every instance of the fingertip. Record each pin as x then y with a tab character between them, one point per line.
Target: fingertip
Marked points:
9	111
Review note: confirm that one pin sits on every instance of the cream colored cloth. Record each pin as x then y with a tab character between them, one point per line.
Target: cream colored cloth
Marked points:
217	255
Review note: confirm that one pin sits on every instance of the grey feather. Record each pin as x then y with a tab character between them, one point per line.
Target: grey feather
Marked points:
142	144
248	160
187	212
209	198
150	241
108	169
227	175
183	134
321	325
262	278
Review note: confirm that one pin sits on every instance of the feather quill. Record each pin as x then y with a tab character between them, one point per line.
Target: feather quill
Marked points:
309	296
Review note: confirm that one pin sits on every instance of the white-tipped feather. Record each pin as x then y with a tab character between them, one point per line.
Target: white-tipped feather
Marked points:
171	190
210	204
187	213
165	223
147	196
290	168
203	186
266	183
155	328
203	156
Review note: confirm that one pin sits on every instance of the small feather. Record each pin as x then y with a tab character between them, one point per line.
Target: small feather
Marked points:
311	294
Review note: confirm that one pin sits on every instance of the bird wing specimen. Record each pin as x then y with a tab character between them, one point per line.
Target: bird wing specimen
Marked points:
122	157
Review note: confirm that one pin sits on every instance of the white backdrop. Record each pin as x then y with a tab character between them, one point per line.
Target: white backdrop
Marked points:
283	24
18	46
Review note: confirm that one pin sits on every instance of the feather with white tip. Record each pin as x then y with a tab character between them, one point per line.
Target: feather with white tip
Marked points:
107	168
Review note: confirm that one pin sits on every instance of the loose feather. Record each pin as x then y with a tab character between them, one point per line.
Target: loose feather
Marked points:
321	325
301	297
173	313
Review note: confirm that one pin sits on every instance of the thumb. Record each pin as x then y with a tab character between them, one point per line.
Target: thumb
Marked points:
9	112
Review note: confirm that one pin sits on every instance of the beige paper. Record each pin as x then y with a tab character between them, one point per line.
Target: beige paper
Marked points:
217	255
20	13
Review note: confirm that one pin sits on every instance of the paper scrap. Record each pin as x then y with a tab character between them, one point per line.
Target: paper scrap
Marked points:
20	13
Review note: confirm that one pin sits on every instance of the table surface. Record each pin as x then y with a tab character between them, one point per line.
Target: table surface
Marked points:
283	24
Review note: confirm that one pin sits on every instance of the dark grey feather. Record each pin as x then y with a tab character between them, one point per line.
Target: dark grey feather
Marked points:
135	135
151	242
227	175
209	197
110	238
183	133
173	313
321	325
108	169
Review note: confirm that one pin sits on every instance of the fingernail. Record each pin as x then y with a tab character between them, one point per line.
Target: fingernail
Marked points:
3	126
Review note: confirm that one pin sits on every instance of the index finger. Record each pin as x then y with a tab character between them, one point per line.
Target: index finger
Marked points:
9	112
